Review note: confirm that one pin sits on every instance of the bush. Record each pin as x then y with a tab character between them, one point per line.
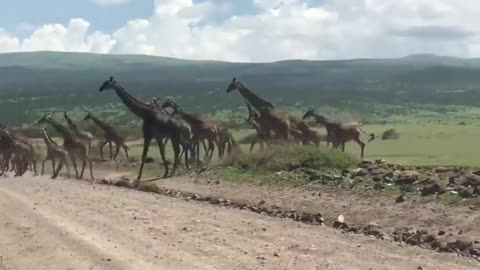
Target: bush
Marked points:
290	157
390	134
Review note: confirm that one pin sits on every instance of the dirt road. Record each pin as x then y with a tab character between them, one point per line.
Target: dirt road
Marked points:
67	224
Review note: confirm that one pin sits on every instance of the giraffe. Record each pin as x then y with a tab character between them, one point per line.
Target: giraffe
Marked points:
271	121
21	138
261	136
155	126
227	143
186	130
111	135
54	152
80	133
338	133
76	146
20	153
201	130
306	134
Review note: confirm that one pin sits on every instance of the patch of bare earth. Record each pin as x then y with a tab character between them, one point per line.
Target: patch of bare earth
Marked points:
426	215
68	224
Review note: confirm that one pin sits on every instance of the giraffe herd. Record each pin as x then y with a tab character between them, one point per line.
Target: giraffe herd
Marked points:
168	122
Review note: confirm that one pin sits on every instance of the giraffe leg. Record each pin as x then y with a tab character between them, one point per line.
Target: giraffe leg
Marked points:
53	164
84	163
117	150
90	164
110	149
161	147
56	172
101	149
176	155
74	163
125	148
68	167
43	166
34	163
362	146
147	138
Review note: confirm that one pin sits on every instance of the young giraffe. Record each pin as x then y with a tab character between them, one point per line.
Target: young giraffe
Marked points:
186	130
111	135
306	134
80	133
340	134
262	135
76	146
155	126
227	143
54	152
21	138
21	154
201	129
271	121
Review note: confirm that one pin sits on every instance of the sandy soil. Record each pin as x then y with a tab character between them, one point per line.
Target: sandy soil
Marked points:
458	222
67	224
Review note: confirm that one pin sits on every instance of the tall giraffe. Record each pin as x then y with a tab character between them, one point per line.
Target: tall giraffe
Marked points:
80	133
155	125
54	152
76	146
111	135
271	121
201	130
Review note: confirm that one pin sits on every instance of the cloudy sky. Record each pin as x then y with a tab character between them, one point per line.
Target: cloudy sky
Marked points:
244	30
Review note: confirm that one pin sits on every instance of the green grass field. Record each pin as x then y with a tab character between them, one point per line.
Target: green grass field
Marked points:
423	144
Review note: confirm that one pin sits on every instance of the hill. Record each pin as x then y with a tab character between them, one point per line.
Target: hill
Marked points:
38	81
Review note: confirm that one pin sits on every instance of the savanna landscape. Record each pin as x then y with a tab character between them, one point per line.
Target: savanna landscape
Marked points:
411	202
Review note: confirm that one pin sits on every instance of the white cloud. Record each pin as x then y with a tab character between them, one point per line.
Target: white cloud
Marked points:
283	29
109	2
7	42
73	37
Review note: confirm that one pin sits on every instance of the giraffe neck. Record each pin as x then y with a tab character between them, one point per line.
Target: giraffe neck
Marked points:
60	129
254	100
138	108
104	126
72	125
7	136
190	118
48	140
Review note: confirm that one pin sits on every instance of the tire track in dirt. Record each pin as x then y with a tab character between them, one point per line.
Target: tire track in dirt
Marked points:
80	242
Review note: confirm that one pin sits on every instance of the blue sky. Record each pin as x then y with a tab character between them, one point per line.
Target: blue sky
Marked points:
21	17
244	30
20	13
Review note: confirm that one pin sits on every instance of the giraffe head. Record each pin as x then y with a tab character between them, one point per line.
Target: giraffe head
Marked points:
309	113
234	85
169	103
108	84
88	116
46	117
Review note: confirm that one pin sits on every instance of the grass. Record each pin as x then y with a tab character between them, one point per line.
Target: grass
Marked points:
291	157
450	198
282	164
432	143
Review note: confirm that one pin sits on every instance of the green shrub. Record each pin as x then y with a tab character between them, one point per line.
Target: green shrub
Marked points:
390	134
290	157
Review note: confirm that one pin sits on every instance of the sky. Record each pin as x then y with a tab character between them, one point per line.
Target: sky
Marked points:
244	30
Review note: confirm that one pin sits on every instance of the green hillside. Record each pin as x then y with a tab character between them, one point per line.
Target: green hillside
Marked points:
34	82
